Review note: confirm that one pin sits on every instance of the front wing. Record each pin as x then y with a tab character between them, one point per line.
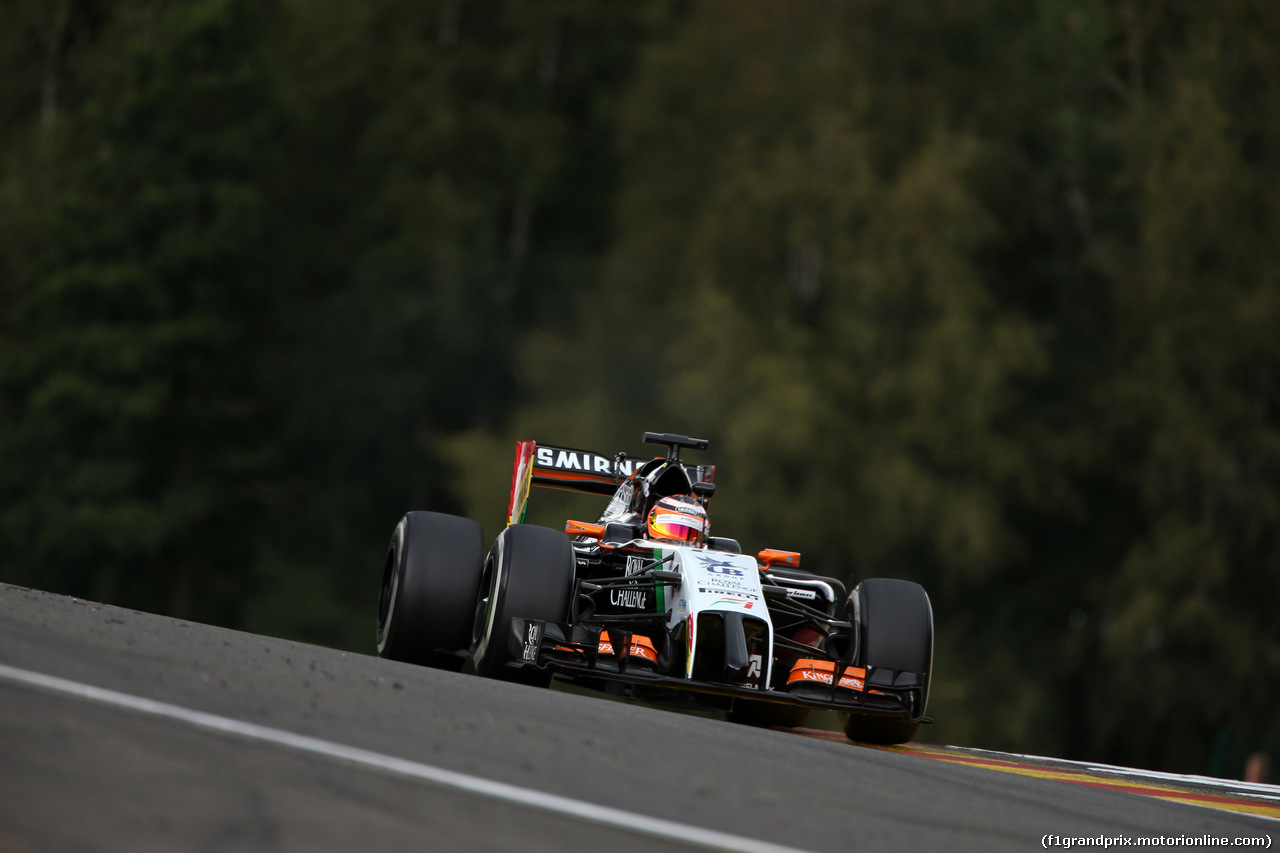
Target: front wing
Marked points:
574	652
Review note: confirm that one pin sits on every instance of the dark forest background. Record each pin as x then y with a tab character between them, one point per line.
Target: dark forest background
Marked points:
980	294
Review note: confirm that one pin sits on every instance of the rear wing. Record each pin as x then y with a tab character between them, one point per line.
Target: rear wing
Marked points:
575	470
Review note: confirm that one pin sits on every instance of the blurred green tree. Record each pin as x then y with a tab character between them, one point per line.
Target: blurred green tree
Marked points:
1190	411
975	296
133	443
983	295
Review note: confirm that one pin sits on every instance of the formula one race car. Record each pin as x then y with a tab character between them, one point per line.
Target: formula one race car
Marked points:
644	602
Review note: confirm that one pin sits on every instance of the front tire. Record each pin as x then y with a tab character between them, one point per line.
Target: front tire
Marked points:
529	574
429	585
894	624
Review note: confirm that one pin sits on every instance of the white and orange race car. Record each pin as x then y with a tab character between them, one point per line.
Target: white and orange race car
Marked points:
644	602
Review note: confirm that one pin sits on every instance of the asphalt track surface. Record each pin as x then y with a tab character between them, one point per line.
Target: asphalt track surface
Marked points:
125	731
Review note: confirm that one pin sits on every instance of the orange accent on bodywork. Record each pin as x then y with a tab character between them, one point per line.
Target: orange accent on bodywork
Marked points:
771	557
582	528
641	647
822	671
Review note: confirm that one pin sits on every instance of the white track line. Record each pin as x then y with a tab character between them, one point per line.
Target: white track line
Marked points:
577	809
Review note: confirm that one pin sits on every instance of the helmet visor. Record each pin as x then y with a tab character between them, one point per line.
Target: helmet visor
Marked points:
675	527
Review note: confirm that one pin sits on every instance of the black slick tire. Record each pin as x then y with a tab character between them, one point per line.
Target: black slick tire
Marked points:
429	586
894	624
529	573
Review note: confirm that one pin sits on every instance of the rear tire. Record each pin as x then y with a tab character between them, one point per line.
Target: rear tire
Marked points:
529	574
429	585
893	621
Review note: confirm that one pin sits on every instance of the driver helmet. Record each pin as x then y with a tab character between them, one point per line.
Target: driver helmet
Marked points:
678	519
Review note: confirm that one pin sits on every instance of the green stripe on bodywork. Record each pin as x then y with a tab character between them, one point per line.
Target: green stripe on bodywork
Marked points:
661	604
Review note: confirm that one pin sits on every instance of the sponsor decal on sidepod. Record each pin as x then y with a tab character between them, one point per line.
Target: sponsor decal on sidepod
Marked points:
637	599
